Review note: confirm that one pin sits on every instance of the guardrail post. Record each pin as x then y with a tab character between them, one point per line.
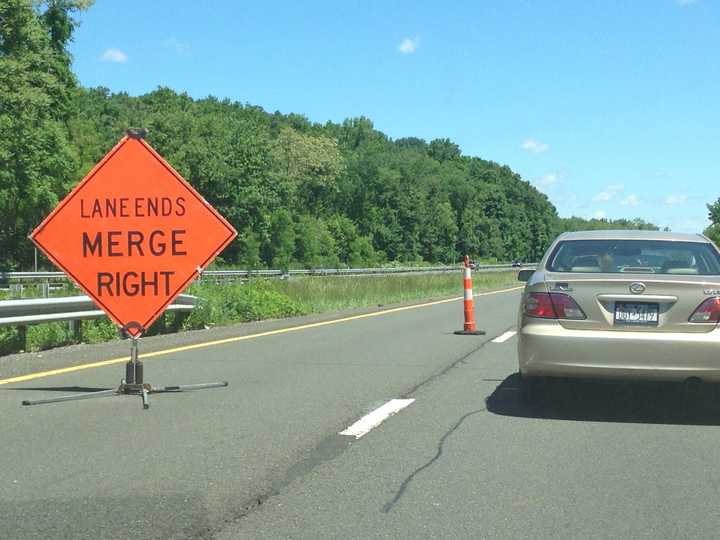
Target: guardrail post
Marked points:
16	290
22	337
161	324
179	318
76	330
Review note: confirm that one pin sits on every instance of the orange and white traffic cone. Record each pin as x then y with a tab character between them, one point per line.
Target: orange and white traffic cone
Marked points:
469	328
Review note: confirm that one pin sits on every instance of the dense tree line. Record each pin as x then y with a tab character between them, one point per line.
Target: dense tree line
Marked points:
38	163
299	193
713	231
580	224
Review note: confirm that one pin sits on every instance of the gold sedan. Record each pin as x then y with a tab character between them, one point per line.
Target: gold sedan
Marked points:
621	305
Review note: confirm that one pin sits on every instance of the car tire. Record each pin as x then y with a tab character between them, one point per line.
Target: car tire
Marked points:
530	389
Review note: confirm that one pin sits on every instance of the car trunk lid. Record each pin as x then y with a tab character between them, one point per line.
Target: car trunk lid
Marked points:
637	302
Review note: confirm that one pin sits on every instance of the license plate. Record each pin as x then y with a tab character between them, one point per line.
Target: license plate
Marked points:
637	314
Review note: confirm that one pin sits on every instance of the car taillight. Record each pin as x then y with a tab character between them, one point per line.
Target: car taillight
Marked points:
707	312
540	305
552	306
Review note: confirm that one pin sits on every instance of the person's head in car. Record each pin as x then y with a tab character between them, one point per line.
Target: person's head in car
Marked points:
607	263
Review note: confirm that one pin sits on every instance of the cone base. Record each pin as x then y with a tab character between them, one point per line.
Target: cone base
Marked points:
469	332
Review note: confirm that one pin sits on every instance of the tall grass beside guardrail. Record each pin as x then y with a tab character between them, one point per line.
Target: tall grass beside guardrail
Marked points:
273	299
56	334
259	299
317	295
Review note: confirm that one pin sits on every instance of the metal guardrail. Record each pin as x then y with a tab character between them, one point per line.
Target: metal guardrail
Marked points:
398	270
69	308
20	276
25	312
8	277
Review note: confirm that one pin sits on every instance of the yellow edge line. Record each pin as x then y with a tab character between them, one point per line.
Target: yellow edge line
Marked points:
102	363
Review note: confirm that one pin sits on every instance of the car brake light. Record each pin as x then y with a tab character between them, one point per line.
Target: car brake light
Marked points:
552	306
707	312
539	305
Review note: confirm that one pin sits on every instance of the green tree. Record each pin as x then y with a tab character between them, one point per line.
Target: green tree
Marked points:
362	253
311	164
440	234
443	149
300	192
714	212
575	223
37	163
713	231
249	250
344	233
404	200
315	245
281	244
58	20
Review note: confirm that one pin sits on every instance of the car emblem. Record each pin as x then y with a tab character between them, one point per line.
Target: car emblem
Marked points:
637	288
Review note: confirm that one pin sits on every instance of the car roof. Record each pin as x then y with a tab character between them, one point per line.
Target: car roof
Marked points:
632	235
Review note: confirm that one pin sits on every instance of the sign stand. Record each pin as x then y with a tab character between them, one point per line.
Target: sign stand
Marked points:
132	384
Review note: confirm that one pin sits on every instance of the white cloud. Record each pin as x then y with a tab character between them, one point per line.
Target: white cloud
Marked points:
114	55
603	196
599	214
409	45
534	146
177	46
609	193
630	200
675	199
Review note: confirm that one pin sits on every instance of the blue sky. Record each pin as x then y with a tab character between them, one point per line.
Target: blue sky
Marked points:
608	106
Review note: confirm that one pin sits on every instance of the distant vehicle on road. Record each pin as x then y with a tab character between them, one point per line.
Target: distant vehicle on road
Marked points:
516	264
621	305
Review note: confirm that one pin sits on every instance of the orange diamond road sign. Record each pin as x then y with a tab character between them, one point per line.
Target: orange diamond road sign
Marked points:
133	234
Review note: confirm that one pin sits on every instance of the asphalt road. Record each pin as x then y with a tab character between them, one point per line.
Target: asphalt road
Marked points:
262	458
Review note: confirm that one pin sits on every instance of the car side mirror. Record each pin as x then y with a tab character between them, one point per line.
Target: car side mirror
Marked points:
525	275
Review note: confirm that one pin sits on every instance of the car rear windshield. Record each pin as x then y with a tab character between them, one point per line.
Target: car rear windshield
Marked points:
635	256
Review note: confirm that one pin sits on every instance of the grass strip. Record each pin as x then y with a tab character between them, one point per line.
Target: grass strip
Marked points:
260	299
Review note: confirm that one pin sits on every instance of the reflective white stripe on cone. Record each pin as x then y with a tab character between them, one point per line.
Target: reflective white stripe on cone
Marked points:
469	327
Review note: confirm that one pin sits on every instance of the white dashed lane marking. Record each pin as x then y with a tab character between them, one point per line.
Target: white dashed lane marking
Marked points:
375	418
504	337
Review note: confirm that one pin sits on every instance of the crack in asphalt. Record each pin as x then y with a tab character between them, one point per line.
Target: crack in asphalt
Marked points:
326	450
460	361
334	445
403	487
435	376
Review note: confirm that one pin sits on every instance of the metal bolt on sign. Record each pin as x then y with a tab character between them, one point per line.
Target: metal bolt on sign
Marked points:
133	235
